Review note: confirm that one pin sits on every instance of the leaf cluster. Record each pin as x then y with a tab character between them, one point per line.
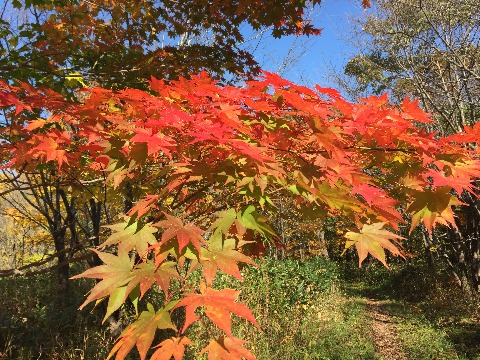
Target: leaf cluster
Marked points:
206	162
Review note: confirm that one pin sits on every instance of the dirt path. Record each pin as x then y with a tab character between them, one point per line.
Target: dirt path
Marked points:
384	333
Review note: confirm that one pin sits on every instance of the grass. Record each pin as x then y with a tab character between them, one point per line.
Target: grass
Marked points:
306	311
335	329
303	314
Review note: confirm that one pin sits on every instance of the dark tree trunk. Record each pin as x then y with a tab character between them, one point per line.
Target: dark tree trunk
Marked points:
63	271
432	268
63	278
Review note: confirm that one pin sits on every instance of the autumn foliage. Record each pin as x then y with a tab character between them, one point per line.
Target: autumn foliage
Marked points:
206	161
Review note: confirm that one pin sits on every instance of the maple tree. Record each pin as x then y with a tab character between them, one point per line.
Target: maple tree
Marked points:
120	43
206	163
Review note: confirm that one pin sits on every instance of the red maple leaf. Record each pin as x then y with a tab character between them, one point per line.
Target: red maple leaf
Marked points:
48	148
9	99
143	206
413	112
155	141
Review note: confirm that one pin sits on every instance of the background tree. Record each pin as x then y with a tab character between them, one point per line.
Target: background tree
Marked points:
122	43
426	49
429	50
24	237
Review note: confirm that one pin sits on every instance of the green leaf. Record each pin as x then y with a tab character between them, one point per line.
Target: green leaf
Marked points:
338	197
134	297
250	219
224	221
116	272
131	236
115	300
13	41
74	79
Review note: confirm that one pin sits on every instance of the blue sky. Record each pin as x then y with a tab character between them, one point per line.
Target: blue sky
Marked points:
323	54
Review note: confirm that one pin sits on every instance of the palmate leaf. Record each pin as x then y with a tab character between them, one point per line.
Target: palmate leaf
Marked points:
372	239
380	203
218	306
338	197
227	348
155	141
432	207
147	273
143	206
142	332
47	146
221	254
171	347
120	278
116	273
250	219
224	221
185	233
131	236
9	99
414	112
459	175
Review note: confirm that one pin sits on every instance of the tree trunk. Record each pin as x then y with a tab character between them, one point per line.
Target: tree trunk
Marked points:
428	244
63	279
63	271
476	269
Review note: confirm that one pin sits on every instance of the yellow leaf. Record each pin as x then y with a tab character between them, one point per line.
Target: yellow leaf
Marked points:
373	239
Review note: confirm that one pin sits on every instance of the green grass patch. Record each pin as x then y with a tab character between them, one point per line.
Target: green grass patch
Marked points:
301	311
435	320
419	338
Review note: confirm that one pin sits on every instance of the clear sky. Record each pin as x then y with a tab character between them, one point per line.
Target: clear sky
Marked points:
319	55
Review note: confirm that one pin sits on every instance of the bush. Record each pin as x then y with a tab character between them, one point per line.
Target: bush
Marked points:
34	326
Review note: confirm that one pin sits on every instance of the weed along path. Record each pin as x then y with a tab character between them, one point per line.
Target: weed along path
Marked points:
384	332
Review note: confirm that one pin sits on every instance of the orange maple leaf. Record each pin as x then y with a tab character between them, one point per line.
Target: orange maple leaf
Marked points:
218	306
171	347
227	349
185	233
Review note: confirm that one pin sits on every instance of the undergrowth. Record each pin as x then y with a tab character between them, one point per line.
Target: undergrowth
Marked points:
306	309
